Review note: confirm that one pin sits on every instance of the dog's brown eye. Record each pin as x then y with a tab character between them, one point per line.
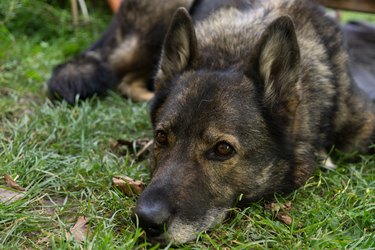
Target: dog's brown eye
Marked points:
223	149
161	137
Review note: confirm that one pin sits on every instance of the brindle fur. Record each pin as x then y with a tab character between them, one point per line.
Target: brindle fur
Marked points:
268	77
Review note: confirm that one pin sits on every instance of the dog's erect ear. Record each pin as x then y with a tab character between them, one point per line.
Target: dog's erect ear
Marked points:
278	63
180	46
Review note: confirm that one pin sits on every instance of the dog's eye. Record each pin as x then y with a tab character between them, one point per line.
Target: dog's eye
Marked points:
224	149
161	137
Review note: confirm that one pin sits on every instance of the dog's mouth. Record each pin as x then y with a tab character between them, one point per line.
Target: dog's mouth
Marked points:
161	239
154	234
175	230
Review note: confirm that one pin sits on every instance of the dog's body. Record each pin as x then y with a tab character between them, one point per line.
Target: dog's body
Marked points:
247	98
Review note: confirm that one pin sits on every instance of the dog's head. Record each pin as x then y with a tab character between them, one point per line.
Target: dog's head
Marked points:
220	134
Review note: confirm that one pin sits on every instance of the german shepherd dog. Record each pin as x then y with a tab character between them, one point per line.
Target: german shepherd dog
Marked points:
249	95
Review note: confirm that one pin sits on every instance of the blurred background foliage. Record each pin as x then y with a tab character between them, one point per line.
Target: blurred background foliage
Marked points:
36	35
37	17
49	20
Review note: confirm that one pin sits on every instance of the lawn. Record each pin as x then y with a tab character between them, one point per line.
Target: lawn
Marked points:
65	158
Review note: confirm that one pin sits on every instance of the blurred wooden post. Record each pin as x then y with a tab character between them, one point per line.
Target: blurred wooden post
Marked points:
74	13
354	5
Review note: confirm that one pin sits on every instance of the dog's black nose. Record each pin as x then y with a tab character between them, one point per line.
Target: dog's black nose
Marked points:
153	216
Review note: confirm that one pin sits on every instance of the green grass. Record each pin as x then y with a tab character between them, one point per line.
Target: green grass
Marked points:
347	16
62	156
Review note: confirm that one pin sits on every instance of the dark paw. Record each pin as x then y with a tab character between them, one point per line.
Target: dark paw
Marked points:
83	77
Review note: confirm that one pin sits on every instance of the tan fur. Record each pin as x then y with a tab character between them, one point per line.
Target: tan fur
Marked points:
135	88
125	54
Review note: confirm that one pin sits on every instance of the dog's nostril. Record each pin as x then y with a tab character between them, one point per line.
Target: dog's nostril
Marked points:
153	217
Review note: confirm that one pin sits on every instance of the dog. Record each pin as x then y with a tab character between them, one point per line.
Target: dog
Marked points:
248	97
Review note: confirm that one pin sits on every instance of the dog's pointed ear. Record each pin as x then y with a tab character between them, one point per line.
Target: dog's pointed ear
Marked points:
278	63
180	46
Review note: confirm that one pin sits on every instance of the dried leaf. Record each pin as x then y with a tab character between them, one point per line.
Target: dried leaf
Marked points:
128	186
80	230
281	211
12	184
288	206
285	218
9	195
273	207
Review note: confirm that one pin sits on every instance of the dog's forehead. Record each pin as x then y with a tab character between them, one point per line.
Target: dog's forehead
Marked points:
200	100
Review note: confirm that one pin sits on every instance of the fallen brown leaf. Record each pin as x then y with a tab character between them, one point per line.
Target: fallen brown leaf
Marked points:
80	230
9	195
288	206
128	186
12	184
281	211
285	218
273	207
276	207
